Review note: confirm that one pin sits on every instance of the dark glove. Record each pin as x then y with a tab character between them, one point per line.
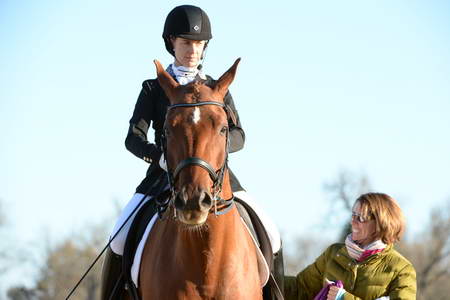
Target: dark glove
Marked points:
155	155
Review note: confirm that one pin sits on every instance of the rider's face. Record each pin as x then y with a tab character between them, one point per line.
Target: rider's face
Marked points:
187	52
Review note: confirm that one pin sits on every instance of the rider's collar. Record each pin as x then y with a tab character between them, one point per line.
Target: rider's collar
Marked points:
183	74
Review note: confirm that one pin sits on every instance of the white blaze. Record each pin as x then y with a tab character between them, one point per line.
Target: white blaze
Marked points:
196	115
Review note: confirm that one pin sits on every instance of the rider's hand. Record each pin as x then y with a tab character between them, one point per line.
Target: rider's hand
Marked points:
156	154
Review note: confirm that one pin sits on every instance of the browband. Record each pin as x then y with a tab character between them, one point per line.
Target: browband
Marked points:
196	104
229	111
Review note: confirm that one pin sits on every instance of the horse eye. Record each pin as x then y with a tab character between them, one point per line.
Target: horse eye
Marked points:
224	130
166	132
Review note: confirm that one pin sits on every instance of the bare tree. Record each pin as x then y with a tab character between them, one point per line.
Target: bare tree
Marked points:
342	193
430	255
23	293
302	252
64	265
8	252
348	185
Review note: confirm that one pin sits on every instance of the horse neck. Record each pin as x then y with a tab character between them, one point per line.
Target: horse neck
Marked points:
222	234
216	247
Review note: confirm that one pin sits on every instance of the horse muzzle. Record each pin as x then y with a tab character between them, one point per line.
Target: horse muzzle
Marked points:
193	205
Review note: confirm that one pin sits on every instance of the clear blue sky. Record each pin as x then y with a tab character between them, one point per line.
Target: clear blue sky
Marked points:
322	85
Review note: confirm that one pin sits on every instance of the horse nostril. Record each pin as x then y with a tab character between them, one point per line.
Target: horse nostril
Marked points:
180	200
205	200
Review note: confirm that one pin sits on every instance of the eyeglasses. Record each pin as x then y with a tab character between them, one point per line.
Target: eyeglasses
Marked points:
359	218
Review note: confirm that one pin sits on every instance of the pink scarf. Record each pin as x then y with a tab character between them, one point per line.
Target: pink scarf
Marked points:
360	254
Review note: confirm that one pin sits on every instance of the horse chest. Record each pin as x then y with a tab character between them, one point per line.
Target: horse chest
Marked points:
197	273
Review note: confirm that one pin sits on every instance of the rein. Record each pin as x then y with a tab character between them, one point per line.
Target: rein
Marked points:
216	176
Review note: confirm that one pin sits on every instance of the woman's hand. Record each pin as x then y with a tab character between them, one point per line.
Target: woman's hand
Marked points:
332	292
335	293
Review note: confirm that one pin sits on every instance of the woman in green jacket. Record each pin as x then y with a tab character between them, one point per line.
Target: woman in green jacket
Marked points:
366	264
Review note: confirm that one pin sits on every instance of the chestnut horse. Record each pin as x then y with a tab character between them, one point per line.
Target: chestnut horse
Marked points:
200	249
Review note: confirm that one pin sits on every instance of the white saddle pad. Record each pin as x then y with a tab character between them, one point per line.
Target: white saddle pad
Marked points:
139	250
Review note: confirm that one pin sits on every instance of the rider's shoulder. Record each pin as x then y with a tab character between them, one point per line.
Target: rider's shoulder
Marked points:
209	80
209	77
149	85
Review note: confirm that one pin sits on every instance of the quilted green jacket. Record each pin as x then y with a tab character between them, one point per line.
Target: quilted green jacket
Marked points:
386	273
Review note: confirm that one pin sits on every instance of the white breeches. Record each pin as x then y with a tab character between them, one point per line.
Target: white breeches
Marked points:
118	244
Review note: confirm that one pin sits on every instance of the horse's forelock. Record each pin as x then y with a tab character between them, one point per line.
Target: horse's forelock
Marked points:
196	91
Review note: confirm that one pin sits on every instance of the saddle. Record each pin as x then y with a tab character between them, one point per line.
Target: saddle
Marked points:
273	290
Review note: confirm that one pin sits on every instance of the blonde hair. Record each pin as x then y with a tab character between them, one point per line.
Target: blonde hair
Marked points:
389	219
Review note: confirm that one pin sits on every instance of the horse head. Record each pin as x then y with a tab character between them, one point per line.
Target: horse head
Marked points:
196	143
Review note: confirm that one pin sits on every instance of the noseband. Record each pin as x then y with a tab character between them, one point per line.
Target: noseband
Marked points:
216	176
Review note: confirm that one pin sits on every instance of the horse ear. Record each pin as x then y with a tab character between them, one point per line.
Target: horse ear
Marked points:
226	79
166	81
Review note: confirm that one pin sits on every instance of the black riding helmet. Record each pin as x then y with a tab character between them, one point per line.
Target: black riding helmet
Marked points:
186	21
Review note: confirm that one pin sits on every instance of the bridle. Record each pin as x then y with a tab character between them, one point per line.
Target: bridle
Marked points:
215	175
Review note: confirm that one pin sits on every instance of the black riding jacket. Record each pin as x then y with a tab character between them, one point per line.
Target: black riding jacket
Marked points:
151	108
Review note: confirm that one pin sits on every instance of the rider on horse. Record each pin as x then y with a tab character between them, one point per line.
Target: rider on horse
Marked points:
186	35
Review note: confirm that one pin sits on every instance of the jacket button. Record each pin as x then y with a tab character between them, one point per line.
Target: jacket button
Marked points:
337	255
